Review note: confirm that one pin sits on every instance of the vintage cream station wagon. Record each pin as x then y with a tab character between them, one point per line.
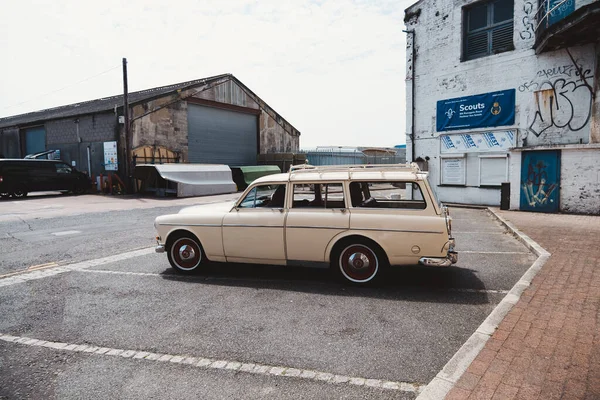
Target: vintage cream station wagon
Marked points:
355	219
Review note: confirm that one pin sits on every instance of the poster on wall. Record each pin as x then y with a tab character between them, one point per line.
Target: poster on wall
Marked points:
453	171
477	142
478	111
110	156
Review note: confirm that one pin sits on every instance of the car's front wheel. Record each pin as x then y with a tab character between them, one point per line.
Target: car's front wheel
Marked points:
359	262
185	253
20	191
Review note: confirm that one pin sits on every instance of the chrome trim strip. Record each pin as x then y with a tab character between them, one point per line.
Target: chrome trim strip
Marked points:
305	227
317	227
396	230
184	225
251	226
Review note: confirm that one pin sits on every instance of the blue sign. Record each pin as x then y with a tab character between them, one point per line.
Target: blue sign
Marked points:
559	9
479	111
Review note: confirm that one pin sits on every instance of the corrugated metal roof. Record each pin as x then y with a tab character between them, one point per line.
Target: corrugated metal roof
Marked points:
99	105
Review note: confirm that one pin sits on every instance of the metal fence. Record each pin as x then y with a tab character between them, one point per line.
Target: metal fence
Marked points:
347	158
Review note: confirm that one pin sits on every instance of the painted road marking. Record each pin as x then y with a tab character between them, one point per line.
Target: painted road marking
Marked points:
492	252
466	290
65	233
50	271
210	363
479	232
32	268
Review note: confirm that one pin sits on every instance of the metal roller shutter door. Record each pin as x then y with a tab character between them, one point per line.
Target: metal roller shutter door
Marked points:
217	136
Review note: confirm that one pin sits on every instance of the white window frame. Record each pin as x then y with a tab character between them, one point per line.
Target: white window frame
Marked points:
443	157
505	156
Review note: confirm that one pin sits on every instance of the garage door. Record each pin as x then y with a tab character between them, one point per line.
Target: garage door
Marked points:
217	136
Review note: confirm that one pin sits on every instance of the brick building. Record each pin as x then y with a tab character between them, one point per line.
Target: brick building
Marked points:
214	120
506	91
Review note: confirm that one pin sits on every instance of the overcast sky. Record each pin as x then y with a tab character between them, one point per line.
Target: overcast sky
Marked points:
334	69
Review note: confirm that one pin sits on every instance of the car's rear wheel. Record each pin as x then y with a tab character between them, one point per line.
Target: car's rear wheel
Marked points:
79	190
185	252
359	262
4	195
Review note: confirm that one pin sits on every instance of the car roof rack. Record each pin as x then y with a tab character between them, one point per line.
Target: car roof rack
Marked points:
409	167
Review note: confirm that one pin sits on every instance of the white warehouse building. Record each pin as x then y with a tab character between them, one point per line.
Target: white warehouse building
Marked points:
506	91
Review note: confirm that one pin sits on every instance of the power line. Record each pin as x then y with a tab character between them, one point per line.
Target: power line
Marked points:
63	88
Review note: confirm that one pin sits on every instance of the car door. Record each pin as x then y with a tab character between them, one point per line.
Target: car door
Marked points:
40	175
253	230
318	213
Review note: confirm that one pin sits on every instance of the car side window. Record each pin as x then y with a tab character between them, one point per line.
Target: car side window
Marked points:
395	194
63	169
319	195
264	196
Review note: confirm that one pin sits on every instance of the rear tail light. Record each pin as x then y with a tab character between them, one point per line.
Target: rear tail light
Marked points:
1	179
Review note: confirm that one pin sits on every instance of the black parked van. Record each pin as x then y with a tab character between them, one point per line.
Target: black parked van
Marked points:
20	176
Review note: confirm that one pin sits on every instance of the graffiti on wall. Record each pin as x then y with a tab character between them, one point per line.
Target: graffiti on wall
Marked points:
568	72
536	187
528	30
563	98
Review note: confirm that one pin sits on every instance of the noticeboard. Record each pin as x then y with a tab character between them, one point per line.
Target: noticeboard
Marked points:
110	156
453	171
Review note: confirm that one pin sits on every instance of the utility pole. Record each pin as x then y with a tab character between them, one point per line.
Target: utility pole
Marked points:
126	128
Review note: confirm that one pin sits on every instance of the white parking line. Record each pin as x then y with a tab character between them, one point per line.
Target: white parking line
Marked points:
65	233
492	252
479	232
210	363
44	273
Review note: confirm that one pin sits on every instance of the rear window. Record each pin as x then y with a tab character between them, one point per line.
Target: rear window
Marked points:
13	168
392	194
28	168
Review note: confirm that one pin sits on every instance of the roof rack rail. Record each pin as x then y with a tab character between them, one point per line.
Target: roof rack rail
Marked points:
411	167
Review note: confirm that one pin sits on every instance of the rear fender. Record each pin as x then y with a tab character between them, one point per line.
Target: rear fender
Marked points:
343	235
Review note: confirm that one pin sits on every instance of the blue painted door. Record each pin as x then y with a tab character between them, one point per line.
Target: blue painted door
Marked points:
540	181
35	140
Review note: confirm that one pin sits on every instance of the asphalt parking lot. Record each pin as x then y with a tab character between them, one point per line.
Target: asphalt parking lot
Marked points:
245	330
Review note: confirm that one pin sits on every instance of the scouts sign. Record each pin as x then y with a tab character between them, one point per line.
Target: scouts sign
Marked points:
479	111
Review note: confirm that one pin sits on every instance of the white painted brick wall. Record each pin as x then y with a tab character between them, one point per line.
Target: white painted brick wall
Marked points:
440	74
580	181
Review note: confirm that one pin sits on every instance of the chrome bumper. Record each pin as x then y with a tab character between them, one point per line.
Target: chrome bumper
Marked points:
450	259
160	248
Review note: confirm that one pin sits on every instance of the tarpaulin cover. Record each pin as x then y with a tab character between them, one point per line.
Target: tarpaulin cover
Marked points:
191	179
244	176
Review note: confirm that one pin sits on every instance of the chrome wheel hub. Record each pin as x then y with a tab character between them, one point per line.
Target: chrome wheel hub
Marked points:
359	260
186	252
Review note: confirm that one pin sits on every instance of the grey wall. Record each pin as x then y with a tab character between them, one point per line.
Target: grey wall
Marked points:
9	143
92	128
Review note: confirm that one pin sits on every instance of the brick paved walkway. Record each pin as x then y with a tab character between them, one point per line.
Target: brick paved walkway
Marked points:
548	346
